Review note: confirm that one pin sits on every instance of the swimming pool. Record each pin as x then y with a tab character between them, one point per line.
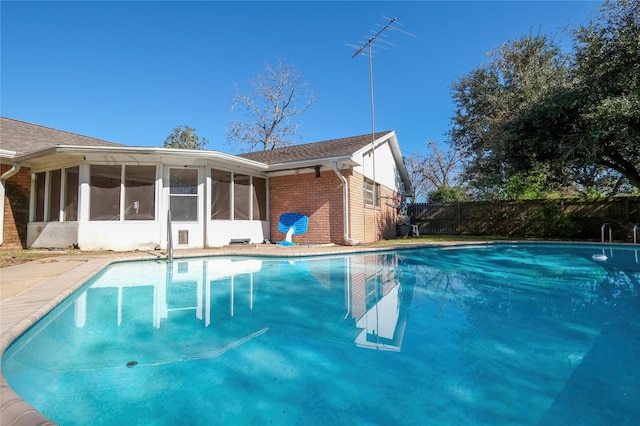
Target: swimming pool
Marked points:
498	334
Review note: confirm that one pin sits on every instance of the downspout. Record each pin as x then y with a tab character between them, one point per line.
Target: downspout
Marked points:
15	168
345	202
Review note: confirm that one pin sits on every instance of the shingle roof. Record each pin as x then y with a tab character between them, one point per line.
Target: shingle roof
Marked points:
22	137
333	148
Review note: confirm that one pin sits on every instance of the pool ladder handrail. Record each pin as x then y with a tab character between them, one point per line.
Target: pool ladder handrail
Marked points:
635	233
169	237
602	228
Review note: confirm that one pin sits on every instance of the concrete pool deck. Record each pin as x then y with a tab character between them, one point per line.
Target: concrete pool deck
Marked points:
29	291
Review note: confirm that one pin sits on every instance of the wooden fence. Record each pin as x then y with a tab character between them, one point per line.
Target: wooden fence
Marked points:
572	219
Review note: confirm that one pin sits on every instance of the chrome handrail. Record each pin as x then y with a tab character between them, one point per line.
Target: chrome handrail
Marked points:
169	237
635	233
602	228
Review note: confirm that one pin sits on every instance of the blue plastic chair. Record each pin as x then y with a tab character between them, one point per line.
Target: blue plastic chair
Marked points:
292	224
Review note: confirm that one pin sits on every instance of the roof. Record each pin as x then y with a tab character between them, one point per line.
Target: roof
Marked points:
32	143
334	148
22	137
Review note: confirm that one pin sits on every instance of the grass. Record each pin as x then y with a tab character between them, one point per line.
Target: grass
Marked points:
443	238
16	257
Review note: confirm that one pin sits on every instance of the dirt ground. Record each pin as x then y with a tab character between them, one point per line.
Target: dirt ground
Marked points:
17	257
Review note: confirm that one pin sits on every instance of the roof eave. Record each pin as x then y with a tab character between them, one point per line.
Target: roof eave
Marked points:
392	138
328	161
192	153
5	153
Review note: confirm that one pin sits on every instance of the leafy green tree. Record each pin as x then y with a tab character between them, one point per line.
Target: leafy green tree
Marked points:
529	187
184	137
446	194
588	132
607	57
520	73
532	109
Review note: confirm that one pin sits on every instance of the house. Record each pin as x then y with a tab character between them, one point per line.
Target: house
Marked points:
62	189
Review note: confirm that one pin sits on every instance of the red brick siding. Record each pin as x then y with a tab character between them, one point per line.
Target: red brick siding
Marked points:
321	200
370	267
371	224
318	198
16	208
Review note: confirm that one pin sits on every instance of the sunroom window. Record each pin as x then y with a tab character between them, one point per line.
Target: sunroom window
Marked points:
122	191
244	195
183	193
241	197
139	192
105	192
55	187
220	195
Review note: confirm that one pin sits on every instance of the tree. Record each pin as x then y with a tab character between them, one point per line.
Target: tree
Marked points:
446	194
278	95
608	71
533	113
519	74
184	137
439	169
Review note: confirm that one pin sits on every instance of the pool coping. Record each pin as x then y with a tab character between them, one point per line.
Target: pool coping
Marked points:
18	313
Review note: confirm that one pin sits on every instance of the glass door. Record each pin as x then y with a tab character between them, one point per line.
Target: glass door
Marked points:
186	205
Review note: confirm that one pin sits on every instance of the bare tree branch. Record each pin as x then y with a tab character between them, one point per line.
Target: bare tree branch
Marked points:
277	95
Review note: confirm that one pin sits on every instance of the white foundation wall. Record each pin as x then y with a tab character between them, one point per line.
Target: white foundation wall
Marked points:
132	235
221	232
52	234
119	236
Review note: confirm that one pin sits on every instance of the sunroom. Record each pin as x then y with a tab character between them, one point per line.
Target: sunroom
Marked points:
124	198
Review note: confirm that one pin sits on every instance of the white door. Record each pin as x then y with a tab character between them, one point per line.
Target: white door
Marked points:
186	203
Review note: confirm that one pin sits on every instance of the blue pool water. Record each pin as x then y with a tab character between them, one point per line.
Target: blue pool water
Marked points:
496	335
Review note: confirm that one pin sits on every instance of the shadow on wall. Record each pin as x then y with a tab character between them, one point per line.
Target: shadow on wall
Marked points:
16	216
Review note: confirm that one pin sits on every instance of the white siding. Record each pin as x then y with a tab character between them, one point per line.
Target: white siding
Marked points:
386	170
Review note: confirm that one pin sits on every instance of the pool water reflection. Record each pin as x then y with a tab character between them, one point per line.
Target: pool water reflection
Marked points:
504	334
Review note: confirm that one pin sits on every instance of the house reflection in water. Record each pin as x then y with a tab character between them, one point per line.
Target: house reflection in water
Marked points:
338	298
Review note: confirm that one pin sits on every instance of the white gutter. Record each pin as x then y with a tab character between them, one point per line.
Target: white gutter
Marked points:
345	202
174	152
6	175
347	160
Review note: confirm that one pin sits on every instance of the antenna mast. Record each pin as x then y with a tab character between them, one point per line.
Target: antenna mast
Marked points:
359	50
369	42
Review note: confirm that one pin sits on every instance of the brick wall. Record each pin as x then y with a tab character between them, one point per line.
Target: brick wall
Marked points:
369	223
16	209
321	200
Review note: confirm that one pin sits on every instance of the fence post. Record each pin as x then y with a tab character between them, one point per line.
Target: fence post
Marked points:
627	210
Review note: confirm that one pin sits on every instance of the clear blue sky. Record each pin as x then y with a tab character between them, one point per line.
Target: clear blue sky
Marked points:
130	72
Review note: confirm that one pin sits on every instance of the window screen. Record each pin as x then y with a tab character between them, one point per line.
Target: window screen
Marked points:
220	195
71	194
183	192
40	187
54	195
259	199
105	193
241	197
139	192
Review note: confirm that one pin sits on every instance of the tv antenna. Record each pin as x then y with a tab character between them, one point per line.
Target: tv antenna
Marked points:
366	48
